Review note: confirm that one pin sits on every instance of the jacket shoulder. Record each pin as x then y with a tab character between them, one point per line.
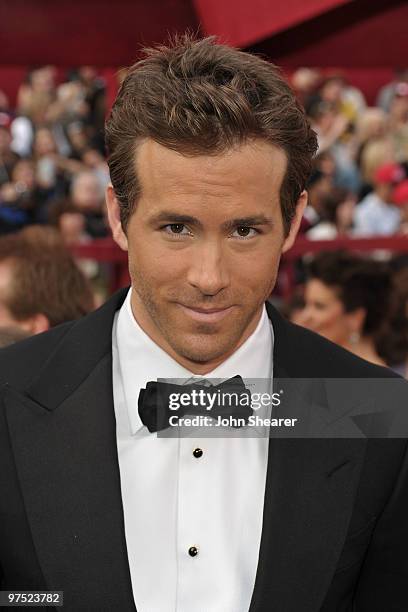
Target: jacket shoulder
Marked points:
21	362
315	356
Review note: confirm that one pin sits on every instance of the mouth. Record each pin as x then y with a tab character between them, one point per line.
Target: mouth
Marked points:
206	315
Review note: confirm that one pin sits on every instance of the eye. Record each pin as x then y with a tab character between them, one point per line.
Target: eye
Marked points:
244	231
176	229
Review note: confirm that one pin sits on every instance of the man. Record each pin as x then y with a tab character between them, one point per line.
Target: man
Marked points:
40	284
209	153
375	215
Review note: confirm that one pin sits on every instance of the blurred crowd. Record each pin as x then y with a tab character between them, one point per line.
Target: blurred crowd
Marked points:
53	169
53	175
52	160
359	188
360	183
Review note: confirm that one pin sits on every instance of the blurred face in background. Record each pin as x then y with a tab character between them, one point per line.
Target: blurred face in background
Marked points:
305	80
72	227
24	174
371	124
324	313
43	79
77	136
345	212
384	191
87	73
318	191
325	118
326	163
399	108
44	143
86	192
332	91
92	158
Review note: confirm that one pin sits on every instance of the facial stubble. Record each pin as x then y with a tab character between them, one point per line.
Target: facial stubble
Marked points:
206	341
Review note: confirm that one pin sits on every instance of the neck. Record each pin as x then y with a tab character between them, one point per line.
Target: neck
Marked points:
365	348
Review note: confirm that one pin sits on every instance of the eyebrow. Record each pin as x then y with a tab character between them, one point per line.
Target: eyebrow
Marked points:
172	217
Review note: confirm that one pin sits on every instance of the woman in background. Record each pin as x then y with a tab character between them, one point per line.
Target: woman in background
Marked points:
347	301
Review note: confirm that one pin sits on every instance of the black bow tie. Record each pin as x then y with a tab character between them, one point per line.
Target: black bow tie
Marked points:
154	402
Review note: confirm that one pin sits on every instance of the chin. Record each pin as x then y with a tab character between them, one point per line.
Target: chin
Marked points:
199	350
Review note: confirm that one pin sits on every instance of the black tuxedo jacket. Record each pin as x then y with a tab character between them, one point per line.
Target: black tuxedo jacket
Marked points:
335	522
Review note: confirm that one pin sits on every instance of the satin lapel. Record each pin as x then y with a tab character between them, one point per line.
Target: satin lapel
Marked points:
309	496
66	458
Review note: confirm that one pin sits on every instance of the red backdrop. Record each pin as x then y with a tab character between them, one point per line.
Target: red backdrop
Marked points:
366	37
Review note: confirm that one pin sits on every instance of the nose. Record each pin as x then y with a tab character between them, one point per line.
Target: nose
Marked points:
207	271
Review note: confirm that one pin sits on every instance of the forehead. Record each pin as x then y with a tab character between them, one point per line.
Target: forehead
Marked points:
254	169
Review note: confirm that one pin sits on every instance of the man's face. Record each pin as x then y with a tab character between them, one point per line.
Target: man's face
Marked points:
204	246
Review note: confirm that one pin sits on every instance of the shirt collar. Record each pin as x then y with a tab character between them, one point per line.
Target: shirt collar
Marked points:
142	360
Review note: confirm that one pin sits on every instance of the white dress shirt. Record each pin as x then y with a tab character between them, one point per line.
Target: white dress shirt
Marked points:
374	217
173	500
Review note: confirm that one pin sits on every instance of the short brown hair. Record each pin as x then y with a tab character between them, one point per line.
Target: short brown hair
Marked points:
45	279
197	96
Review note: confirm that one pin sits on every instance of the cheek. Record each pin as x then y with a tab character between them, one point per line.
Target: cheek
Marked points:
334	325
259	266
154	266
330	319
325	319
263	277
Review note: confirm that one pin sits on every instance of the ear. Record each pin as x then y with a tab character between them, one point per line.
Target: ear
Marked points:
113	209
296	221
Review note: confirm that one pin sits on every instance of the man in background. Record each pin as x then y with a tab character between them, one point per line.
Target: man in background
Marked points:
376	215
40	284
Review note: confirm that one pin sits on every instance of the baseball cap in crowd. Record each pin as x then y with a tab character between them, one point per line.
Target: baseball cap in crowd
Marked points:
389	173
400	194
